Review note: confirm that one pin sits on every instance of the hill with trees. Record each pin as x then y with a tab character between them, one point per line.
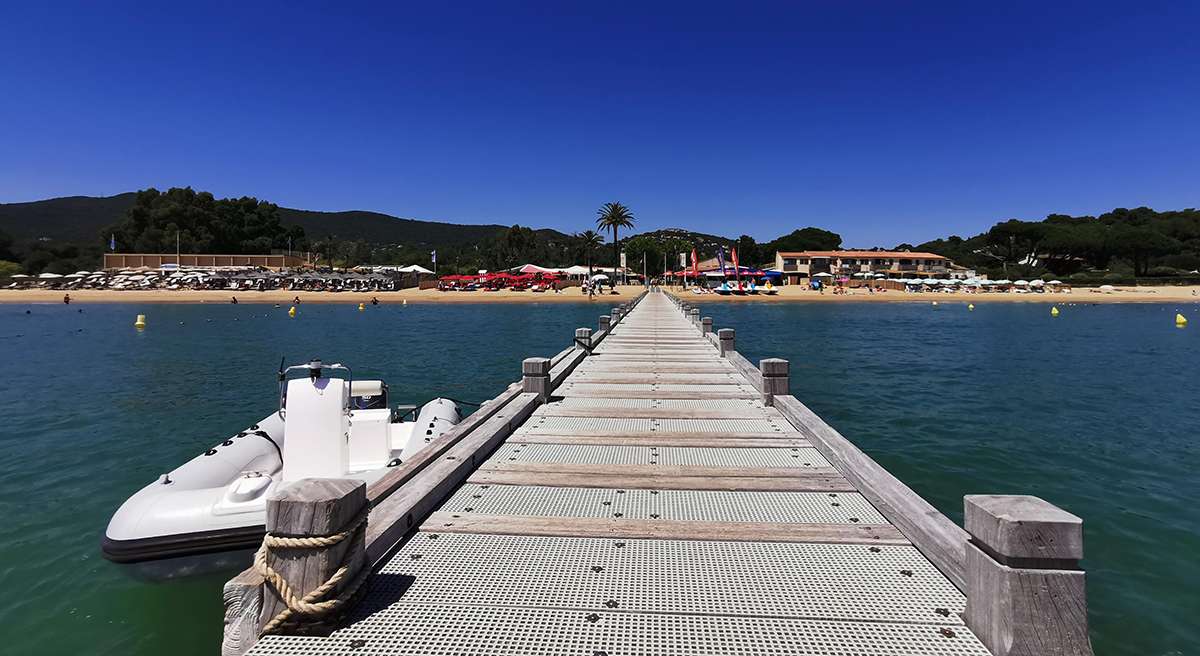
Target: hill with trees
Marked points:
1115	246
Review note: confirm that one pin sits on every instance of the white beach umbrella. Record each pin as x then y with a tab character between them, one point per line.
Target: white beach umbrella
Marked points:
49	275
1021	283
1107	288
1004	281
83	273
20	275
823	274
1054	282
599	276
1037	283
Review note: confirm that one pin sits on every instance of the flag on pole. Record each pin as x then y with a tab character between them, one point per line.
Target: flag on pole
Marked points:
112	242
434	256
721	259
737	269
695	264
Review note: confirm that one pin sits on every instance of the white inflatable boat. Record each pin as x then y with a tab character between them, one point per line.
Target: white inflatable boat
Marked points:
207	513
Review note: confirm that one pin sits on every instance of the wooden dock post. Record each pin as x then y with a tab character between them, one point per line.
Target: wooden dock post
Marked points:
706	325
615	315
535	377
694	316
774	379
725	337
604	323
583	339
329	513
1025	591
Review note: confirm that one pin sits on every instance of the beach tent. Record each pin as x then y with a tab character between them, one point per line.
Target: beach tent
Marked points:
576	270
533	268
414	268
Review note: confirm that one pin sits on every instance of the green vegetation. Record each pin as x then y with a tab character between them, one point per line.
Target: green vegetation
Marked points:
1115	246
612	216
202	224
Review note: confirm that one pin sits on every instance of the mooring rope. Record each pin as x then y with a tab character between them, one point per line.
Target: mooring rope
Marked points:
313	604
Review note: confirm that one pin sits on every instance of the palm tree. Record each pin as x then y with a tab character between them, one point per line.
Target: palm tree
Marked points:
610	217
588	241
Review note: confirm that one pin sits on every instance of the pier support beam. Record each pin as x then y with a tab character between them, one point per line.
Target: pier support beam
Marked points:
706	325
583	339
725	338
314	508
535	377
1025	591
774	379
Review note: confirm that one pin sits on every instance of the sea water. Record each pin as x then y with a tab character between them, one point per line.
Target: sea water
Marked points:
1095	410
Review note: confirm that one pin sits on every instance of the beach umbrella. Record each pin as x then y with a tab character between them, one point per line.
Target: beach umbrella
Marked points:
823	274
49	275
20	275
1021	283
1054	282
1004	281
880	275
599	276
1107	288
1037	283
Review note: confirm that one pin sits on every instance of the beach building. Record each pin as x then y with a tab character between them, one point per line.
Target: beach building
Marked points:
204	260
798	266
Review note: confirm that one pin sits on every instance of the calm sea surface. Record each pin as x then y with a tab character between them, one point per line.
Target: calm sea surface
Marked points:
1097	410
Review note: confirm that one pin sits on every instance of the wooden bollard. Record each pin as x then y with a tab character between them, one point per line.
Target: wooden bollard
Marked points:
535	377
605	322
725	339
706	325
774	379
615	313
583	339
314	508
694	316
1025	591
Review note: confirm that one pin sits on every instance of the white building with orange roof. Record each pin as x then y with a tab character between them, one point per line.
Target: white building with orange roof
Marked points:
798	266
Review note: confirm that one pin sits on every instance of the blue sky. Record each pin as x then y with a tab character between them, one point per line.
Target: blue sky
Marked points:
883	121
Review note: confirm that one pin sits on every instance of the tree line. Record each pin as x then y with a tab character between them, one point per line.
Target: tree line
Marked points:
1120	243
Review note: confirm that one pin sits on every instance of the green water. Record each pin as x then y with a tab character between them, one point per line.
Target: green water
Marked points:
1095	410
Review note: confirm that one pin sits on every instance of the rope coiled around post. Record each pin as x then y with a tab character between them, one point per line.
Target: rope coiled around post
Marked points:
313	605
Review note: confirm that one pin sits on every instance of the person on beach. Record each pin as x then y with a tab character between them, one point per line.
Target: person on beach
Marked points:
233	300
374	300
296	301
66	299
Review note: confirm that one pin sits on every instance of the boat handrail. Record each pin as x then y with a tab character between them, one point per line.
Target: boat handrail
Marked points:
315	369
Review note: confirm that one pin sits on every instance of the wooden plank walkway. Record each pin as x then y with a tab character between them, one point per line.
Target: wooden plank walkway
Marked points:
655	505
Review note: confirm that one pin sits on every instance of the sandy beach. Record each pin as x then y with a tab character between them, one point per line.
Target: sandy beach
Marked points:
793	293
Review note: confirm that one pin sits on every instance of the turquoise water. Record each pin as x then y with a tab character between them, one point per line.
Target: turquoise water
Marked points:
1095	410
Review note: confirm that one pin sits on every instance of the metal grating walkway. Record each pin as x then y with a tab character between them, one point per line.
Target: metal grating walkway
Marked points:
655	506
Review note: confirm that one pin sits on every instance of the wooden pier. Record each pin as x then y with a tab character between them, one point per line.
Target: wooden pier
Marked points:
649	491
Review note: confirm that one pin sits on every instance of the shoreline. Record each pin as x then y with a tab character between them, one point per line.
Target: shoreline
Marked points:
788	294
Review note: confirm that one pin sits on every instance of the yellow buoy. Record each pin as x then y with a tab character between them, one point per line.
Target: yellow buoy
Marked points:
1054	312
971	306
1180	320
361	307
292	311
140	322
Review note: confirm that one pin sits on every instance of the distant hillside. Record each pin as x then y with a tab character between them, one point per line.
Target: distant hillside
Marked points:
74	218
376	228
82	218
